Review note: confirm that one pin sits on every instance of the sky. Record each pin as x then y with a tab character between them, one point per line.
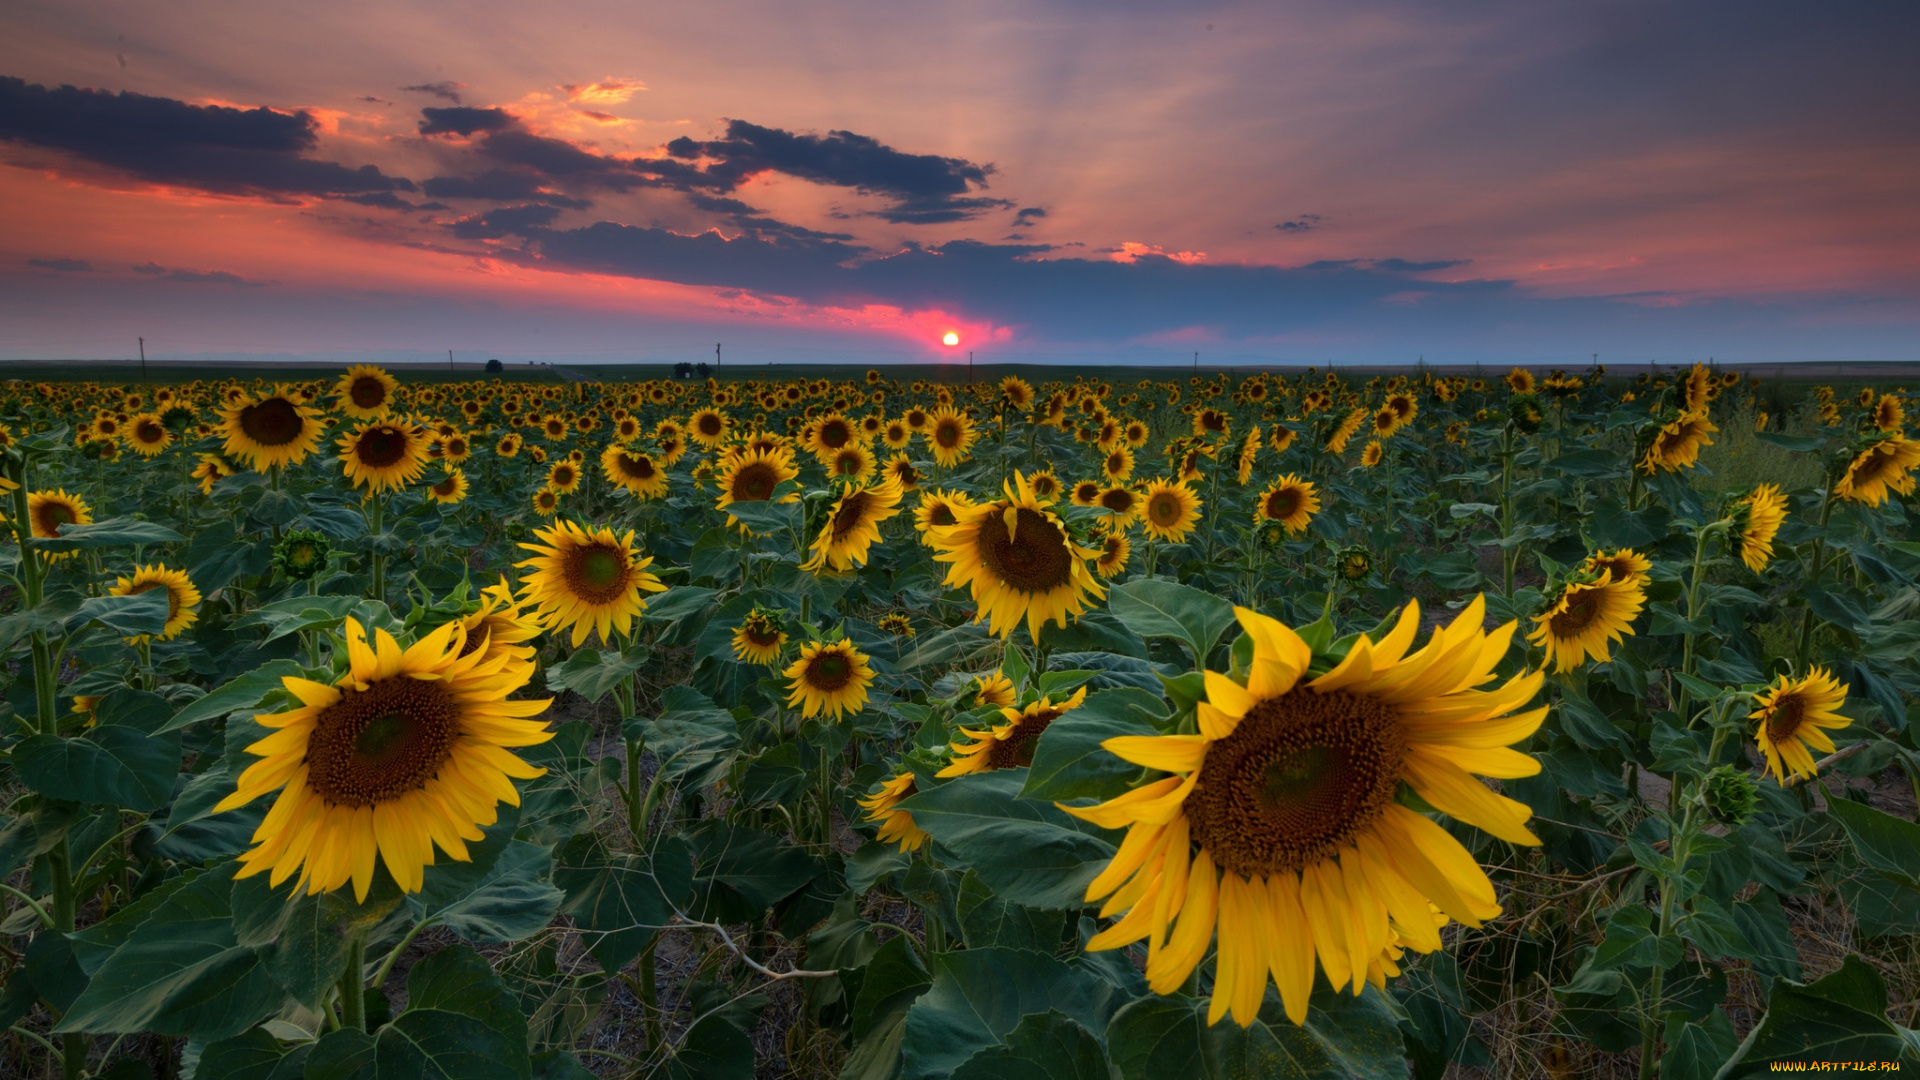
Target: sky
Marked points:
1071	181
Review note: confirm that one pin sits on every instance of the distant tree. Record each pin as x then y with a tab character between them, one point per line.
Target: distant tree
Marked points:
683	370
704	369
495	367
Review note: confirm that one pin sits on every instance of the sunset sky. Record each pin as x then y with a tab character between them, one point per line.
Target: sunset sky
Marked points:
1048	180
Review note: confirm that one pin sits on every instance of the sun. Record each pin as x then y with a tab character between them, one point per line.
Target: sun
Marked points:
951	338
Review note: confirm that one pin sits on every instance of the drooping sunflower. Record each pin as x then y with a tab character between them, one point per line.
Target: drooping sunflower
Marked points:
211	469
951	435
1009	745
409	750
1795	716
48	510
366	392
1115	551
499	625
183	600
760	638
994	689
1018	560
1677	444
939	509
1343	434
753	477
829	678
853	525
896	825
1291	501
1588	614
385	455
1883	468
590	580
1758	517
900	469
1626	564
1279	825
1890	414
1169	510
147	435
269	429
633	470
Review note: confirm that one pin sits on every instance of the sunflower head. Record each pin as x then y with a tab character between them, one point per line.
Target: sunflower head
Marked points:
829	678
1019	560
183	600
1353	563
449	489
1756	519
994	689
1729	794
852	525
384	455
1115	551
366	392
589	579
147	435
1625	564
897	623
1523	413
1008	745
1291	502
48	510
896	825
1585	616
1794	716
1169	509
301	554
274	428
1882	469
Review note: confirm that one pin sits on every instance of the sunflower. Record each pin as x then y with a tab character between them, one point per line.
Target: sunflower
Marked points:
1017	393
939	509
917	419
1372	453
1890	414
830	435
1589	613
1795	716
509	445
1520	381
1758	517
895	824
385	455
1170	510
633	470
48	510
1291	501
951	435
1118	464
760	638
269	429
1084	493
1337	443
1677	444
897	623
451	488
1249	453
753	477
408	750
1883	467
301	554
546	502
366	392
709	427
147	435
901	471
1115	551
183	599
830	677
1009	745
1353	563
853	525
994	689
1122	505
498	625
1385	422
212	469
1018	560
589	580
1626	564
852	462
1044	484
1279	823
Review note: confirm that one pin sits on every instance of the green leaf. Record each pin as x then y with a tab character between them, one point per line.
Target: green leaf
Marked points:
1842	1017
241	692
1027	851
218	555
872	862
1154	608
1798	443
1589	464
255	1055
693	738
1696	1050
619	900
141	613
113	532
978	997
593	675
987	919
298	613
679	602
109	765
307	935
461	1023
1068	762
1045	1046
1885	842
768	519
746	866
181	972
1345	1037
713	1049
512	900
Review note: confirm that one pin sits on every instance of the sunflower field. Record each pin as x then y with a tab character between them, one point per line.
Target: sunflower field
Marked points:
1288	725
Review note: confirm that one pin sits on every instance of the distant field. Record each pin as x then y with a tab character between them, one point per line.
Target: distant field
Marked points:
157	371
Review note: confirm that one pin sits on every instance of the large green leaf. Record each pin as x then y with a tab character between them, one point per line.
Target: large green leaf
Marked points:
692	738
254	1055
987	919
511	899
242	692
1842	1017
1154	608
742	871
1068	762
1885	842
978	998
1027	851
180	972
304	938
141	613
109	764
113	532
1696	1050
1344	1038
620	901
1045	1046
712	1049
460	1023
593	675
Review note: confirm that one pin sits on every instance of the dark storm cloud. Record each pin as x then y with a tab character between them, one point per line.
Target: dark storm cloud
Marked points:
464	121
498	185
65	266
210	147
387	200
558	158
504	221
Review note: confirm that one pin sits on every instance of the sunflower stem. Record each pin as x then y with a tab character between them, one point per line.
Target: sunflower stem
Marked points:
650	994
353	990
376	514
636	809
1803	654
32	583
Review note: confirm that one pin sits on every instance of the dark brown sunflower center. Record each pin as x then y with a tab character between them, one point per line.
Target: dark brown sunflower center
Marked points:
489	627
640	468
847	464
1302	775
367	392
710	424
852	512
1282	504
381	447
941	514
149	431
446	487
375	745
1783	721
1582	609
763	634
1087	493
834	434
1016	750
1164	508
563	474
947	434
829	671
173	600
1116	462
1118	500
598	573
754	483
1035	559
916	419
273	422
54	515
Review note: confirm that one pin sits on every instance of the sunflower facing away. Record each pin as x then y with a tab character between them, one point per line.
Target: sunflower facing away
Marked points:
896	825
1278	824
408	750
1677	444
589	580
385	455
853	526
1291	501
183	600
48	510
499	625
1018	560
1589	614
760	638
1009	745
830	678
1626	564
1758	517
752	477
269	429
1886	466
994	689
1169	510
366	392
1795	716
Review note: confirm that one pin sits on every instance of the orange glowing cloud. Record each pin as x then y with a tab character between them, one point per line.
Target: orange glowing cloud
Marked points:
1131	251
608	91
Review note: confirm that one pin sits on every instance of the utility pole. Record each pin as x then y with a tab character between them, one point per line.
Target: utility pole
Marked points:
143	359
716	359
969	367
1196	364
449	359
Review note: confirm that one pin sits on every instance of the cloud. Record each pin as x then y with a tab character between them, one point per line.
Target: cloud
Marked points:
65	266
1027	215
461	120
212	148
196	277
1303	223
504	221
446	91
150	267
1133	251
498	185
608	91
1402	266
387	200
